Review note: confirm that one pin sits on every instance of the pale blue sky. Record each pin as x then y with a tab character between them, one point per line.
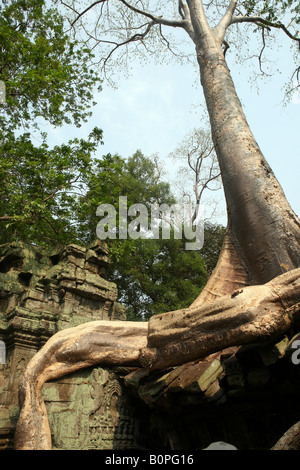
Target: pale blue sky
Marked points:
157	106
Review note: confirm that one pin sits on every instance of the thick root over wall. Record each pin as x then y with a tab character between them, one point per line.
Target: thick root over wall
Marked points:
253	313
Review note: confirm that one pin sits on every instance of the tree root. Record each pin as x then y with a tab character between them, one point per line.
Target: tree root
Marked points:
290	440
251	314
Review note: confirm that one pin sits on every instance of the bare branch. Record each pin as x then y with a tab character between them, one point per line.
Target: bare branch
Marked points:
184	12
198	17
225	22
181	9
226	47
262	50
69	6
135	37
199	195
155	19
262	22
164	39
297	74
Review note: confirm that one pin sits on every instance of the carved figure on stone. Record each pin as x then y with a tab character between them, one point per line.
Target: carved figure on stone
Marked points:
43	291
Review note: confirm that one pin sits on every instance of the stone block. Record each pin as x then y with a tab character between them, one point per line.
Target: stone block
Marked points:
271	353
42	292
91	409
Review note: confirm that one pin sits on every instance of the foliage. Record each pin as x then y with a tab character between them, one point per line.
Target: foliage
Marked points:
112	176
46	75
213	241
40	188
274	10
152	275
53	195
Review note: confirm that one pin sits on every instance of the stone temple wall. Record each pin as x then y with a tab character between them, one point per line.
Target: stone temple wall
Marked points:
42	292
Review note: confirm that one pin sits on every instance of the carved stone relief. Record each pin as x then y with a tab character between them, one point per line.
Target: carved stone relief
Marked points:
91	410
42	292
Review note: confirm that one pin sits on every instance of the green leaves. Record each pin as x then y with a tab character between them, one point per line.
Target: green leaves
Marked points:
49	196
40	188
46	75
152	275
158	276
47	78
272	11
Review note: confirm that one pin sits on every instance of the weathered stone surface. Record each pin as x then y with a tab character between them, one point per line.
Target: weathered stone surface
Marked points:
42	292
231	396
270	353
247	396
237	371
91	410
194	381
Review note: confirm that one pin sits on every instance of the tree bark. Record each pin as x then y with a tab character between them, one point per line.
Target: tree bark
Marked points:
263	231
229	275
99	342
290	440
255	313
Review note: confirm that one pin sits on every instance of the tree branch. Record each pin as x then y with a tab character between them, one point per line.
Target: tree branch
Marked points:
50	196
185	15
181	9
200	194
135	37
155	19
262	22
198	17
262	50
86	10
165	40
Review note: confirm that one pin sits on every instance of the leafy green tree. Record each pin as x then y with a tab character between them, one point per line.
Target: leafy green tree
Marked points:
47	78
40	188
49	195
152	275
46	75
137	178
213	240
155	276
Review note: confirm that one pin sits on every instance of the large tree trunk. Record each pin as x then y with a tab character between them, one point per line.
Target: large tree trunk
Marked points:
255	313
263	237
